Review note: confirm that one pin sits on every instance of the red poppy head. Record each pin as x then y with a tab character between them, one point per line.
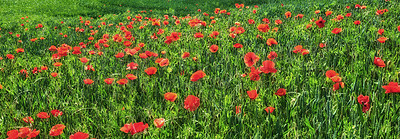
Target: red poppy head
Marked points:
43	115
88	81
381	31
238	45
337	30
197	75
192	103
263	27
250	59
132	66
159	122
281	92
56	113
252	94
28	119
170	96
268	67
392	87
213	48
57	130
363	99
357	22
382	39
269	109
288	14
122	81
320	23
271	41
379	62
272	55
331	73
185	55
164	62
131	77
151	70
109	80
79	135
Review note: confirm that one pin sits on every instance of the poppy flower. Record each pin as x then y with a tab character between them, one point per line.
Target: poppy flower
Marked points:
348	15
337	30
392	87
382	39
272	55
268	67
379	62
238	45
56	113
54	74
122	81
43	115
278	22
198	35
12	134
185	55
159	122
299	16
320	23
131	76
57	64
358	22
57	130
254	74
132	66
238	109
252	94
263	27
336	79
192	103
84	60
322	45
119	55
20	50
164	62
269	109
109	80
27	119
317	11
271	41
79	135
170	96
250	59
88	81
331	73
398	28
380	31
151	70
364	100
288	14
308	26
281	92
197	75
213	48
327	13
299	49
251	21
23	132
337	85
134	128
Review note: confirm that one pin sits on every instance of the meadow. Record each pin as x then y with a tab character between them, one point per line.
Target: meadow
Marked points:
199	69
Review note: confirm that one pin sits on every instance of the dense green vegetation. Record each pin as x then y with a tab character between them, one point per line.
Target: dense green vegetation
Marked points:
310	109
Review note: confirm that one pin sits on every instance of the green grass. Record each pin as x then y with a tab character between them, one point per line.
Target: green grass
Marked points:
309	110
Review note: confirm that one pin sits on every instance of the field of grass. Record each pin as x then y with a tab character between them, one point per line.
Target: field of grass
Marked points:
311	108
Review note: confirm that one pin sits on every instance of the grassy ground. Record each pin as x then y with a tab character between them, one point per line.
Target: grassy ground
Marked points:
311	109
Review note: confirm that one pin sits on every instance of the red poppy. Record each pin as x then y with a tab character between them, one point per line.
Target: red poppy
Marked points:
358	22
364	100
327	13
28	119
322	45
122	81
281	92
268	67
43	115
308	26
213	48
382	39
238	45
299	49
398	28
250	59
238	109
54	74
20	50
392	87
57	64
379	62
109	80
12	134
131	76
84	60
134	128
164	62
272	55
159	122
185	55
299	16
271	41
192	103
288	14
56	113
197	75
170	96
23	132
88	81
337	85
127	43
336	79
57	130
198	35
251	21
331	73
320	23
254	74
337	30
269	109
119	55
278	22
132	66
79	135
317	11
151	70
348	15
380	31
252	94
263	27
